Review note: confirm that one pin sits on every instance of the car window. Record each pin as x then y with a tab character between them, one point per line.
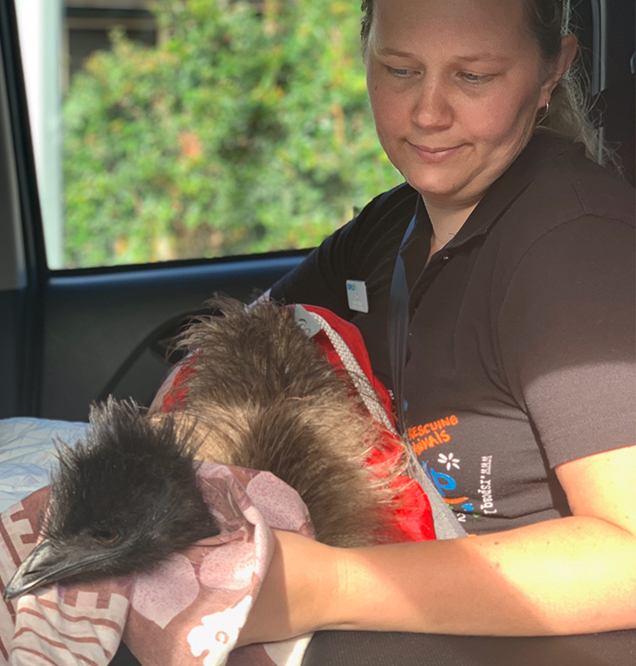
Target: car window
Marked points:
178	129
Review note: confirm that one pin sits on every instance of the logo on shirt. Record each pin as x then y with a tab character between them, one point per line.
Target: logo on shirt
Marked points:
445	483
446	472
429	435
485	486
449	461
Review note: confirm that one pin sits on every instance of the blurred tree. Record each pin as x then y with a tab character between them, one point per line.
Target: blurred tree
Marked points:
247	129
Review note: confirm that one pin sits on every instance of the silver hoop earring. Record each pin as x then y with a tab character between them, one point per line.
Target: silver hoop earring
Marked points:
542	114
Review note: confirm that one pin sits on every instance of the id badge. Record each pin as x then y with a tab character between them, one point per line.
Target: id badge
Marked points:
357	296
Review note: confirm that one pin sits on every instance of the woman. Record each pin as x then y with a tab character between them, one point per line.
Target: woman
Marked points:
519	385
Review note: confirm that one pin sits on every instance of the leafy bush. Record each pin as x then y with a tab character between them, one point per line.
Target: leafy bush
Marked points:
246	129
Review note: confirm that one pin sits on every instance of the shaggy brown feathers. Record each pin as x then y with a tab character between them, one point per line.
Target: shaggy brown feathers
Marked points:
263	396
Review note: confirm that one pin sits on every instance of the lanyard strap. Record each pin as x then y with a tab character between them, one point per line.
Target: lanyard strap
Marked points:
446	524
399	326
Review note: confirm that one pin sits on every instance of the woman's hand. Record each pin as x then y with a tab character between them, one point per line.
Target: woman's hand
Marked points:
298	593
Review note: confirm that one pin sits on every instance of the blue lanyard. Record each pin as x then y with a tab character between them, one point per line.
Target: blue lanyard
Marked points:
398	325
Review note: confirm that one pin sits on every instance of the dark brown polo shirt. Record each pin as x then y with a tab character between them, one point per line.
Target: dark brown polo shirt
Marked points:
521	350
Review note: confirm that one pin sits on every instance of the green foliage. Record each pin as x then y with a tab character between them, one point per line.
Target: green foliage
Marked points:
247	129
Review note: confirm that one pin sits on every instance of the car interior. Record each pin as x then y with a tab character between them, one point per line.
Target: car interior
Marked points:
73	336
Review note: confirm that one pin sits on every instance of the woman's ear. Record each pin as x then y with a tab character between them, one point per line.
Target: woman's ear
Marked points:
569	50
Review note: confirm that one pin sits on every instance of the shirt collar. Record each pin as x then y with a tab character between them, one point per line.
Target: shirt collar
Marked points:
543	147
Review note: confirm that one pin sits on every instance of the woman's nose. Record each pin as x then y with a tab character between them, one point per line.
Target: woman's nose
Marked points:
432	107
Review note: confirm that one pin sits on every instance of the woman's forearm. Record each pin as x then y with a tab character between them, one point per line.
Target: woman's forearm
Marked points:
567	576
573	575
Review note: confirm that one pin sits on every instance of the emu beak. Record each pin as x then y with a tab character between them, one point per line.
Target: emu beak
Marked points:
43	565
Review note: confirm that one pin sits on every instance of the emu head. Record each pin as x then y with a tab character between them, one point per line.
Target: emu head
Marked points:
122	500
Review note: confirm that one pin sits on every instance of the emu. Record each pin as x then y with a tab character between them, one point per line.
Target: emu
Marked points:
257	393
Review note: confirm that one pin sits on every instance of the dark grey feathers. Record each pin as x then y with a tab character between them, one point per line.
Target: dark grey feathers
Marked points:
129	489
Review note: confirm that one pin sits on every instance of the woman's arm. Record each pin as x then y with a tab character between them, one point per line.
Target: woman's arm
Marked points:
566	576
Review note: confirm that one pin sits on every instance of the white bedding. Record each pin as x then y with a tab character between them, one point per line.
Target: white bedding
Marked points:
27	454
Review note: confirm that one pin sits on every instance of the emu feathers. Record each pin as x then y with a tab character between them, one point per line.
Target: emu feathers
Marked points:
121	501
260	395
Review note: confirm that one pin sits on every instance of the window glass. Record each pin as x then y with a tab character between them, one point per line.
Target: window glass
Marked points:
175	129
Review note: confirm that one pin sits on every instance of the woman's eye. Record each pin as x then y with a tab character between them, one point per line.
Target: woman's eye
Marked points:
474	78
399	72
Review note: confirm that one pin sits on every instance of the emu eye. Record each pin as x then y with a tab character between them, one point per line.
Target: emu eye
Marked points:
106	536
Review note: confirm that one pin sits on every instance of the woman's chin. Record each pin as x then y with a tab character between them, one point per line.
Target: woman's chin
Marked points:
438	191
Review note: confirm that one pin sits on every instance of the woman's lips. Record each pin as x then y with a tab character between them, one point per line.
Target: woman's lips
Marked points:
435	155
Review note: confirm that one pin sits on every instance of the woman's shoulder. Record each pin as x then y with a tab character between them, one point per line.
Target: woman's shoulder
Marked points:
574	185
376	231
558	203
389	207
365	246
555	186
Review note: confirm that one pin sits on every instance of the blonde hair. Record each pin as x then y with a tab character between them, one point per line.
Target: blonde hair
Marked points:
549	22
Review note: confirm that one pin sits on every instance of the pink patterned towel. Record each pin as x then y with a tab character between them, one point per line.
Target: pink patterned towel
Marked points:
188	611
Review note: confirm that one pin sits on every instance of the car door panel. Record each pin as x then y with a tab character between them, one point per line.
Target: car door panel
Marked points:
102	331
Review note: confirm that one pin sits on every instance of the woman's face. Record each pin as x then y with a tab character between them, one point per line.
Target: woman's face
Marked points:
455	86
